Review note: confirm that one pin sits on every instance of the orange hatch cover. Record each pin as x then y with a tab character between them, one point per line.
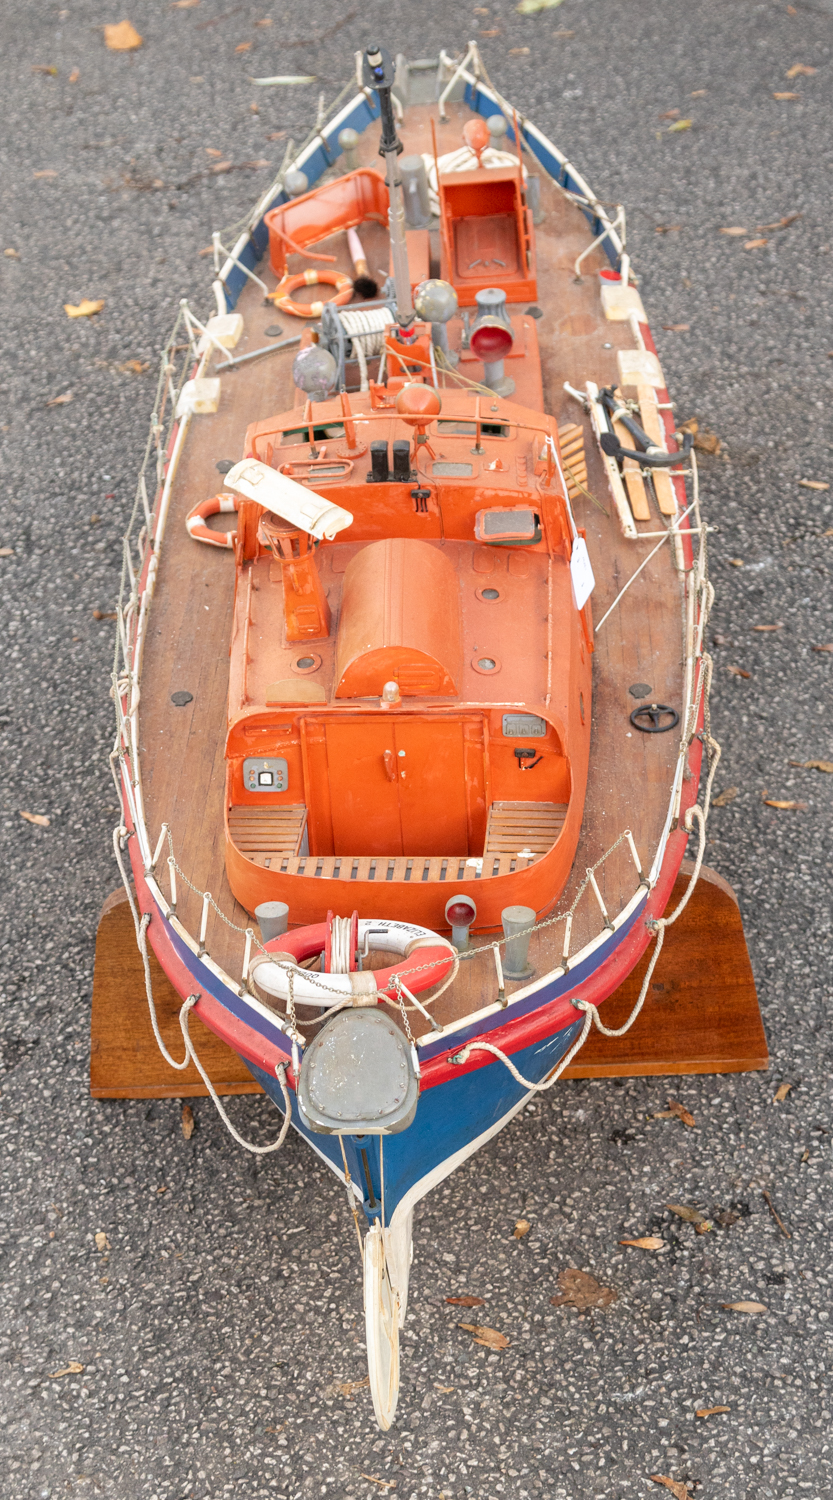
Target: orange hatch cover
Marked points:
400	622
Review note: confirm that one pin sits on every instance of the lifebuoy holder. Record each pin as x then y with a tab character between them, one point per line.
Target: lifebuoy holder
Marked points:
282	295
426	960
222	504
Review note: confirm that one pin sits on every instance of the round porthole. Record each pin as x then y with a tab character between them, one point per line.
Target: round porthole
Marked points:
310	661
489	594
486	665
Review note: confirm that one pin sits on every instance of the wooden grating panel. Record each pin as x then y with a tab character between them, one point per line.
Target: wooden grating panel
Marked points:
531	827
260	832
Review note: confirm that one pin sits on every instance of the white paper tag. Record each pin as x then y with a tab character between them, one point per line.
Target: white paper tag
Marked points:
581	572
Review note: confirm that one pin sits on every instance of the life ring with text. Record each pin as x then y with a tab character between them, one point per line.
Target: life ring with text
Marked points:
282	295
426	960
218	505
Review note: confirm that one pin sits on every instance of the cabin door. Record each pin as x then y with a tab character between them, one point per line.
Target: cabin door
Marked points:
400	785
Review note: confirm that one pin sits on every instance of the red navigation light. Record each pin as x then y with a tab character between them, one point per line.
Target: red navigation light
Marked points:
491	340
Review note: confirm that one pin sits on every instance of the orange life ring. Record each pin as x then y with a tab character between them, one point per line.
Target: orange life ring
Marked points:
218	505
311	277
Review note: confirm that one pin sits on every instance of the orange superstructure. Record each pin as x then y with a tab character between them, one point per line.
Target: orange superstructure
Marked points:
409	698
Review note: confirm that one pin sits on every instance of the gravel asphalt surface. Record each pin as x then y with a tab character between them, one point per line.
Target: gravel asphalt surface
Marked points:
216	1333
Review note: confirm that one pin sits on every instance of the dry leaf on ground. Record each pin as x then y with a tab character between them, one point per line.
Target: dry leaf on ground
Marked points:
680	125
738	672
675	1108
725	797
676	327
187	1121
519	51
48	172
580	1290
828	647
266	21
681	1491
387	1484
799	70
670	114
745	1307
12	254
243	47
781	1093
813	484
711	1411
667	228
785	806
692	1216
778	626
755	244
220	167
736	562
786	96
814	765
122	38
61	400
184	4
466	1301
346	1387
648	1242
6	551
73	1368
74	75
133	367
489	1338
522	1227
211	151
45	68
781	223
734	229
532	7
85	308
39	818
102	614
101	1242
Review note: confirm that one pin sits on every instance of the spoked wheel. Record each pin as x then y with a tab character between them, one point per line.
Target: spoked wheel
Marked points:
381	1318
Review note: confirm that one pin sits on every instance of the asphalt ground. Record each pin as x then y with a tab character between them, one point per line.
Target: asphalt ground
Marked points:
219	1325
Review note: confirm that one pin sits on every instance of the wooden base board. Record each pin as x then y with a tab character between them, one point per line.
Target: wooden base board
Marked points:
701	1014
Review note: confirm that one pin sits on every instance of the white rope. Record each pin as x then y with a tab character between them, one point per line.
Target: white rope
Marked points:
141	943
591	1014
341	956
463	160
280	1073
366	327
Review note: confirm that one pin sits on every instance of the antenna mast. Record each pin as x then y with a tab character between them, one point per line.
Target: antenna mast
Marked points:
379	74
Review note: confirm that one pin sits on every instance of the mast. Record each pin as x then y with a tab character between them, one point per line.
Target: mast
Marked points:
379	74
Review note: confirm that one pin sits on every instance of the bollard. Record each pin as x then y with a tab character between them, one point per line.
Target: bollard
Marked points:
497	132
273	919
460	912
517	919
296	183
348	140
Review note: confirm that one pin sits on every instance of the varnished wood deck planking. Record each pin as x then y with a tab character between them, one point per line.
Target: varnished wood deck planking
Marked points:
630	777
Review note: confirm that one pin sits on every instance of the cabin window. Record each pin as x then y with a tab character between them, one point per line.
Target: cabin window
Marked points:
295	435
469	429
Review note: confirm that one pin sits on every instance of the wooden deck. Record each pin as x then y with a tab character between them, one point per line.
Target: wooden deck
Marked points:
181	748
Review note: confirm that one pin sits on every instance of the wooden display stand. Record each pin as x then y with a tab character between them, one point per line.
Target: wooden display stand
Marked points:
701	1014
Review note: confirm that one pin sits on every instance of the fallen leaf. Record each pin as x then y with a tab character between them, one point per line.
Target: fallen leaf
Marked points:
691	1216
670	114
387	1484
74	75
221	166
738	672
496	31
266	21
800	70
184	4
711	1411
681	1491
212	151
277	135
47	173
187	1121
100	614
815	765
755	244
698	93
824	648
45	68
9	552
61	400
12	254
725	797
667	228
580	1290
813	484
676	327
786	806
786	96
745	1307
782	223
522	1227
519	51
40	819
243	47
735	562
767	1197
73	1368
781	1093
680	125
778	626
489	1338
133	367
85	308
466	1301
735	229
682	1113
101	1242
122	38
648	1242
532	7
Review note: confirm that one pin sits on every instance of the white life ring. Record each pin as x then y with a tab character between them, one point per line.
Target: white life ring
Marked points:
218	505
426	960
